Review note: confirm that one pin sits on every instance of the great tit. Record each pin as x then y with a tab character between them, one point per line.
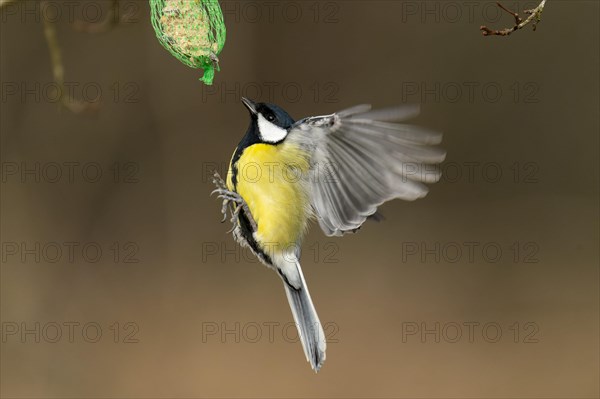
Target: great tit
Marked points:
336	169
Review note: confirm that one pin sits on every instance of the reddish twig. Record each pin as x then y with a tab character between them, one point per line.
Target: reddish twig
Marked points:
535	15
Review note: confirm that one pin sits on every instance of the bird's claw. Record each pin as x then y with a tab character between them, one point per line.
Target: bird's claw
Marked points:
238	203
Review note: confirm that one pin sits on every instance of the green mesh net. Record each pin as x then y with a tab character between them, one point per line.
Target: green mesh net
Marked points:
193	31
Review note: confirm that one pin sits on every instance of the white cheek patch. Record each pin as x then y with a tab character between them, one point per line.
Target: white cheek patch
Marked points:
270	132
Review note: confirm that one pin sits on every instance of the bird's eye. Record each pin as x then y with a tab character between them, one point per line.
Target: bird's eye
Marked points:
270	118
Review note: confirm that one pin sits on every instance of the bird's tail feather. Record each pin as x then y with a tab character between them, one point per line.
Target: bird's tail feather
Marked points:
308	324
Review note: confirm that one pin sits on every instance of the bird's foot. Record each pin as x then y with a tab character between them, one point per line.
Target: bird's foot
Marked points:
236	200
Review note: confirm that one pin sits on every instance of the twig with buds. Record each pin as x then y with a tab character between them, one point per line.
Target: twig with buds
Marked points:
535	16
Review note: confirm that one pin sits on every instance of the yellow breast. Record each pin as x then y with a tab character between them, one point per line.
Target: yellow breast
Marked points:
272	181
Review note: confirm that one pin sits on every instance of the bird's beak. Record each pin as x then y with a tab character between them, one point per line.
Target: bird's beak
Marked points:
250	105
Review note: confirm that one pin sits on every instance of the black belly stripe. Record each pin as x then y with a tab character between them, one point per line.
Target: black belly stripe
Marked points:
248	235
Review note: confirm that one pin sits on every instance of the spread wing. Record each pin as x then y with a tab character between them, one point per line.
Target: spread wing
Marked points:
360	159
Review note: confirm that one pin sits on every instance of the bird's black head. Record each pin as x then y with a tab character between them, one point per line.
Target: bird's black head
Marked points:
270	122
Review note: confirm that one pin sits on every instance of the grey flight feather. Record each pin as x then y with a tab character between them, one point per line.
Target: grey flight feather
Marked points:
360	159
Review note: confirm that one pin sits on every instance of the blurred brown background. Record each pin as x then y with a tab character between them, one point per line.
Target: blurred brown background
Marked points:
525	106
